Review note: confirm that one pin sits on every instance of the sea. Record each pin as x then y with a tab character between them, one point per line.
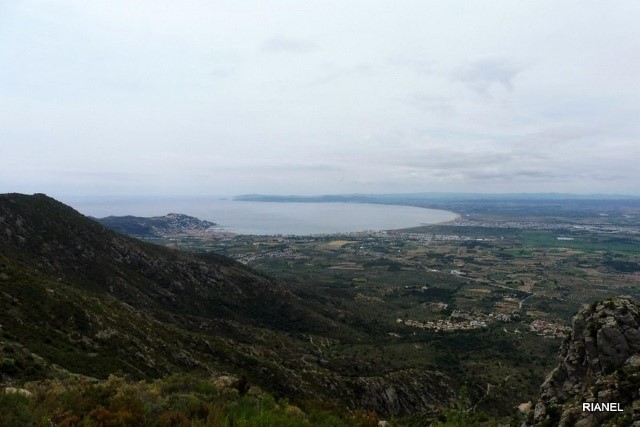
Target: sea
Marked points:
270	218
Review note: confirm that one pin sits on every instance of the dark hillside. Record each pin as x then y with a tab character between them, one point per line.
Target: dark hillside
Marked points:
77	297
39	231
80	297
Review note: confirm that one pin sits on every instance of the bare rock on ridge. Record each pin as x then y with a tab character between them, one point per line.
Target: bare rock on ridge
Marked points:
600	364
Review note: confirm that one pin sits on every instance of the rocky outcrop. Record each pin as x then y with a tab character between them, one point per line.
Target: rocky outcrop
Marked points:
402	393
600	364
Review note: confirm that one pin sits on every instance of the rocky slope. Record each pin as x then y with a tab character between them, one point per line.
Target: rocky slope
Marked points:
77	297
600	364
56	240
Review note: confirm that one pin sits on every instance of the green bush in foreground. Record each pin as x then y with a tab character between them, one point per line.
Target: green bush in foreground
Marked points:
184	400
179	400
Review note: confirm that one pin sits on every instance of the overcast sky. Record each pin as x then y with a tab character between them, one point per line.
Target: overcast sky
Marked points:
191	97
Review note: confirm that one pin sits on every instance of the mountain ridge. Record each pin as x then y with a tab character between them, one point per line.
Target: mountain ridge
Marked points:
81	298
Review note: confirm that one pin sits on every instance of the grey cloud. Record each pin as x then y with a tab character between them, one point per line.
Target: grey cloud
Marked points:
309	95
417	65
92	175
481	75
225	62
545	143
292	167
566	133
607	178
454	160
332	74
489	165
279	167
555	136
281	44
508	175
221	72
496	174
433	104
552	143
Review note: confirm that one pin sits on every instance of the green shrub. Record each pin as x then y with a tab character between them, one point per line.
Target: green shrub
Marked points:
175	401
8	366
204	387
172	419
364	418
17	410
129	407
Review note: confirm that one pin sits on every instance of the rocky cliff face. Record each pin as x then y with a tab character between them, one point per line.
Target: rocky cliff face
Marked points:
601	364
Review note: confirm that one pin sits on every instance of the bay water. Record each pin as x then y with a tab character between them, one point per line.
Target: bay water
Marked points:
270	218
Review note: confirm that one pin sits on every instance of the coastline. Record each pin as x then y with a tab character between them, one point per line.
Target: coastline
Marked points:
279	218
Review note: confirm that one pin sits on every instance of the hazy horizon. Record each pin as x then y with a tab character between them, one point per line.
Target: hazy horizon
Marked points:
452	195
161	98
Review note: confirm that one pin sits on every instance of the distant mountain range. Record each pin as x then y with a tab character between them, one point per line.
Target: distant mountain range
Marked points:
390	197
